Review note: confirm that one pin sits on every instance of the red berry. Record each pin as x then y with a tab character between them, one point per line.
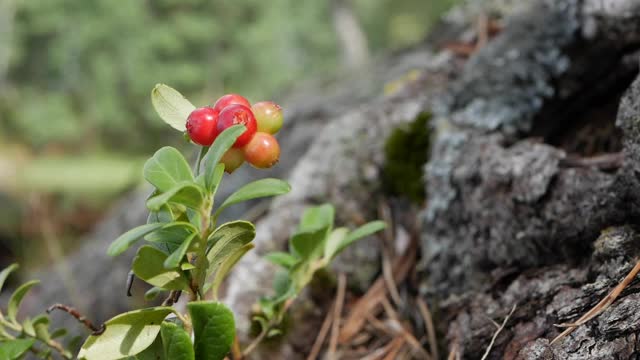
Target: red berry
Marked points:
268	115
232	159
263	151
201	125
234	115
230	99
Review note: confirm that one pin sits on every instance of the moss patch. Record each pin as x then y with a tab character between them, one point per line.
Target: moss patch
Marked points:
406	152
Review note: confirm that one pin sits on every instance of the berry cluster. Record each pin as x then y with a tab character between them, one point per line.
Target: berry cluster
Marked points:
256	145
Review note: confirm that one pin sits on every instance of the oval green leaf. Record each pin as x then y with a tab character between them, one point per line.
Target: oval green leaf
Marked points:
317	217
16	299
155	351
14	349
41	327
173	107
171	236
166	168
174	260
187	193
220	145
152	293
256	189
148	265
214	329
226	239
307	245
176	342
283	259
359	233
129	238
226	266
334	241
6	272
125	335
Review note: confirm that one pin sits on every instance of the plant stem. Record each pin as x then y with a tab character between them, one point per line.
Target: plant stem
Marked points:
51	343
59	348
256	341
186	321
200	271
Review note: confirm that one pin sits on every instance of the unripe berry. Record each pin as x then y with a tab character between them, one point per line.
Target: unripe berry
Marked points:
263	151
232	159
268	116
230	99
234	115
201	125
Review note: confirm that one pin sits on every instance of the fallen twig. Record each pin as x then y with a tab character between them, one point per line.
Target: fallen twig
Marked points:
369	303
601	306
337	315
322	334
428	324
495	335
410	339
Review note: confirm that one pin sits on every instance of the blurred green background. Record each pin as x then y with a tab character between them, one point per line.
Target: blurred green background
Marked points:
75	76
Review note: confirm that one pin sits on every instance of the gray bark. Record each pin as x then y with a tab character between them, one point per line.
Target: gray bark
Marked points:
514	206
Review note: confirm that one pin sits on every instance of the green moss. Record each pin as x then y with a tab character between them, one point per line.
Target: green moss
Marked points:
406	152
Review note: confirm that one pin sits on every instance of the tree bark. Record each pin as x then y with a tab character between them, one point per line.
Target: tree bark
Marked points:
514	205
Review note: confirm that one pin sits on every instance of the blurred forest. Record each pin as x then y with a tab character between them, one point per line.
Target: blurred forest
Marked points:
75	118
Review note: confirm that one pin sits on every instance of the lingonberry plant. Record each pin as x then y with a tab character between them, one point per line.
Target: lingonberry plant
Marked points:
30	334
188	251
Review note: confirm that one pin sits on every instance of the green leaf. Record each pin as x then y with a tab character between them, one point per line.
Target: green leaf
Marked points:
301	275
306	245
14	349
282	285
214	329
226	266
174	260
317	217
152	293
171	236
58	333
226	239
16	299
283	259
148	265
27	327
166	169
256	189
359	233
155	351
187	193
173	108
6	272
41	327
220	145
164	215
334	241
195	217
125	335
187	266
127	239
218	172
176	342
